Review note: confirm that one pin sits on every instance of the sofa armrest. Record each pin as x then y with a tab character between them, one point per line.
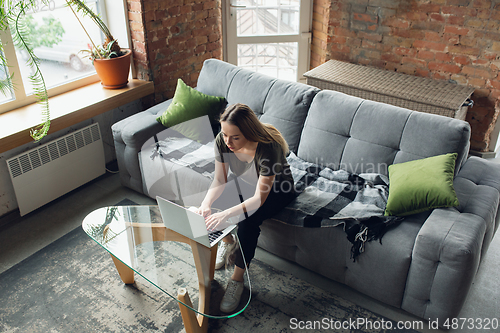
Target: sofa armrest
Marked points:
129	136
451	243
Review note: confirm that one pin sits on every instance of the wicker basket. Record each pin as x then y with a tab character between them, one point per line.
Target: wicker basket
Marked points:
411	92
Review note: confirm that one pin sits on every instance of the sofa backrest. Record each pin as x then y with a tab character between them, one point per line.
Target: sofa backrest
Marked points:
357	135
281	103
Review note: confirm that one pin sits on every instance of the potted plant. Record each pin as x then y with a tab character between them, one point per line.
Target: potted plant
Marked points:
12	18
111	62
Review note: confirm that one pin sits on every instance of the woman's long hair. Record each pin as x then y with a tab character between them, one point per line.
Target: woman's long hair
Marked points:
250	126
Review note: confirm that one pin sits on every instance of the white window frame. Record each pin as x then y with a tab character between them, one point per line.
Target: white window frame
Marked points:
118	23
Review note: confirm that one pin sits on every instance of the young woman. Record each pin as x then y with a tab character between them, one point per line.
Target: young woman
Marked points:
247	148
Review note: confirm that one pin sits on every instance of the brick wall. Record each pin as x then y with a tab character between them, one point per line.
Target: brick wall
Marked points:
172	38
455	40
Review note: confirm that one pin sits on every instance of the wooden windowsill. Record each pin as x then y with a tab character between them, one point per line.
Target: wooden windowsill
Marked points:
67	109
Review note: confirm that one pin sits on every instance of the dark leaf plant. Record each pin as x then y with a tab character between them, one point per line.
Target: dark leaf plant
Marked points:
13	15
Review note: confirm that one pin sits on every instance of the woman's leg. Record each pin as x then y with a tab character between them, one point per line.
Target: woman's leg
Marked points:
249	229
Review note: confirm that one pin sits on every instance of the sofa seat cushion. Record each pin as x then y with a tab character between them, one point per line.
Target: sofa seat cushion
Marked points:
382	267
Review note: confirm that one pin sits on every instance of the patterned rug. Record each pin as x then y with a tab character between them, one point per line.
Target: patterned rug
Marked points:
72	286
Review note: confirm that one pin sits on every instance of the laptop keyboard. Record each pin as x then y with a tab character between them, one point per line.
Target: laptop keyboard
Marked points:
214	235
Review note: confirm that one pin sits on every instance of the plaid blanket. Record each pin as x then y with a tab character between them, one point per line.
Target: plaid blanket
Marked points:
325	197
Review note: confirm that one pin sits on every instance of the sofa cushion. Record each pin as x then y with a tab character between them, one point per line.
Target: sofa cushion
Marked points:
215	77
188	104
420	185
363	136
327	128
250	88
286	108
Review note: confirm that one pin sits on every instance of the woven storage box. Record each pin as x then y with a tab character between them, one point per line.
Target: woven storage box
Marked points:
411	92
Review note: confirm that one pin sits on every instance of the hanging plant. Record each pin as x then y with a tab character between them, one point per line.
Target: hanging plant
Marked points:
13	14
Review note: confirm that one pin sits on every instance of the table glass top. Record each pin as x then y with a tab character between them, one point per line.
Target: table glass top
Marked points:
137	237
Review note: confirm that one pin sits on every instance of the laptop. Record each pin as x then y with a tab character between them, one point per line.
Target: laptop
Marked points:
188	223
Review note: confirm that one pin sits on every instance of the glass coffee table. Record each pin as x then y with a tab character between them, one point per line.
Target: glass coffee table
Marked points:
139	243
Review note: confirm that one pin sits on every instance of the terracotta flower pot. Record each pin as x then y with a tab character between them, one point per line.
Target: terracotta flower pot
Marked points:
114	72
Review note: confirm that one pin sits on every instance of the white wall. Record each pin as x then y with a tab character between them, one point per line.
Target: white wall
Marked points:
8	202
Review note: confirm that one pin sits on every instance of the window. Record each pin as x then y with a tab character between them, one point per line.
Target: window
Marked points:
57	38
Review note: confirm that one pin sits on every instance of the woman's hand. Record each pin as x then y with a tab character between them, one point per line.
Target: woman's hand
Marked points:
217	221
204	210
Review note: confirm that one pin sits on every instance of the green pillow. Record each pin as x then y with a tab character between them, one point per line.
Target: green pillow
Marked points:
420	185
187	104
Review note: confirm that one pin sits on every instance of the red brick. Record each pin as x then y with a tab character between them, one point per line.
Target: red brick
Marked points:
340	48
396	23
134	6
200	48
172	11
481	4
213	46
339	31
214	36
433	36
134	16
495	66
459	11
414	61
365	17
191	43
440	76
456	20
427	55
475	82
430	8
476	72
150	6
460	79
404	51
198	7
407	69
456	30
408	33
458	49
468	41
437	17
421	44
448	68
474	23
461	60
370	36
451	39
415	16
444	57
422	72
391	57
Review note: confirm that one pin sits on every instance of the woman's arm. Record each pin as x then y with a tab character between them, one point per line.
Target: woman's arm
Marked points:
216	188
264	185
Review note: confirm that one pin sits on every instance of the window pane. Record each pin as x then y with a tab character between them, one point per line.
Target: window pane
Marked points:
5	95
57	37
267	17
274	59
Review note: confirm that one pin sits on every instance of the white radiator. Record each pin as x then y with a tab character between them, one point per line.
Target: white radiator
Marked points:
47	172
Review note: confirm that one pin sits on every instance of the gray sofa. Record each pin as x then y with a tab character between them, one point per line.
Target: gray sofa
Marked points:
425	265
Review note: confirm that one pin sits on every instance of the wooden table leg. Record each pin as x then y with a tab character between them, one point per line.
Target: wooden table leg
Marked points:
189	318
126	273
204	259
